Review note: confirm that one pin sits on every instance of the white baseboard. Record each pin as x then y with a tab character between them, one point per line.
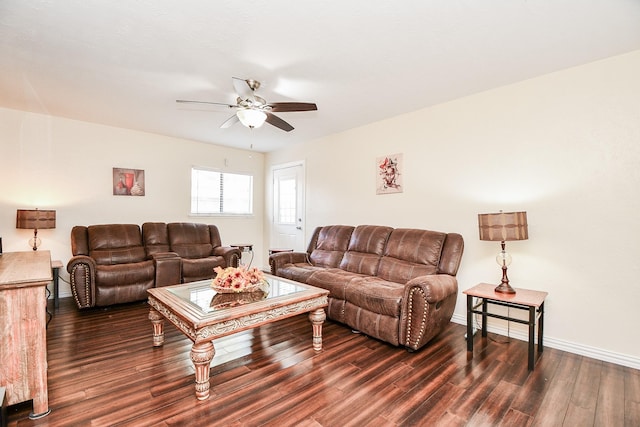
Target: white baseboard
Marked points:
64	295
571	347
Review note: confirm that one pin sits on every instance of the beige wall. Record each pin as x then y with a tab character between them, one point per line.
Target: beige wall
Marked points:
565	147
66	165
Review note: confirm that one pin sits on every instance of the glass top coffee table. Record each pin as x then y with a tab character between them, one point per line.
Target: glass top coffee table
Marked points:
203	315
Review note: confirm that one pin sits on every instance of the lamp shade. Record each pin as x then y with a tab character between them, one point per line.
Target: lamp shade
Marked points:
503	226
251	118
35	219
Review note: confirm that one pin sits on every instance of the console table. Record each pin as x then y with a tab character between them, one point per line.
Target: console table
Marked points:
523	299
24	277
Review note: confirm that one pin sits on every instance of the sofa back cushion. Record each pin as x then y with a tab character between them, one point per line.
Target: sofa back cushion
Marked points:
110	244
366	246
214	236
190	240
79	241
411	253
330	244
155	237
451	254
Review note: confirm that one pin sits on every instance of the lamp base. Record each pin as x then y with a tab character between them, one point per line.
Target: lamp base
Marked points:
505	288
35	241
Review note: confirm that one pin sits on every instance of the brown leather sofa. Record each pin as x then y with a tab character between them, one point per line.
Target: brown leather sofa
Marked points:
113	263
396	285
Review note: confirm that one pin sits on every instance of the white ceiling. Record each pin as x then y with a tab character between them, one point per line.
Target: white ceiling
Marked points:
124	63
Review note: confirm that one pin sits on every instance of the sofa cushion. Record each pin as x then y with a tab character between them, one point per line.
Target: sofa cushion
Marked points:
411	253
375	295
366	246
332	243
119	255
200	268
299	272
334	280
190	240
124	282
155	237
115	244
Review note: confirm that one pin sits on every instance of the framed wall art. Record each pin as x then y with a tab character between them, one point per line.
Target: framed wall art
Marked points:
389	174
128	182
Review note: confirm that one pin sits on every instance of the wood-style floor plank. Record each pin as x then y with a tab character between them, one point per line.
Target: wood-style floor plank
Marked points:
582	405
610	411
104	371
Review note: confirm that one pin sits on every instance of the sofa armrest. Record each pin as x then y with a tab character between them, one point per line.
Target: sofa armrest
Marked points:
231	255
168	267
82	278
427	306
280	259
436	287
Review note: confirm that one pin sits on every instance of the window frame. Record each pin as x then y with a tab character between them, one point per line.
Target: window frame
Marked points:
222	172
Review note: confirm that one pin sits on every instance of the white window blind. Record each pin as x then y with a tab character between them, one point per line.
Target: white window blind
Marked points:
215	192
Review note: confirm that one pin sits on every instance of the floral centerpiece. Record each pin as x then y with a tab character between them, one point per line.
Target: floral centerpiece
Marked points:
240	279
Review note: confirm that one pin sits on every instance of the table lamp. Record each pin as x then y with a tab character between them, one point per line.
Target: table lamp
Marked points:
502	227
36	219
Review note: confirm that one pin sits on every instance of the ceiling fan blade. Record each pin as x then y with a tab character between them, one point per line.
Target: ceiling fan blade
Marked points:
184	101
283	107
276	121
243	89
230	122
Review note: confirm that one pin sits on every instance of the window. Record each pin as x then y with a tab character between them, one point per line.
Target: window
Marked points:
286	193
214	192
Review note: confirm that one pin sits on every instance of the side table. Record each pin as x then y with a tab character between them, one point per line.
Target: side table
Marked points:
523	299
55	268
245	247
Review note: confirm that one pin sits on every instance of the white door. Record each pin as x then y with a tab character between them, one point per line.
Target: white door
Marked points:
288	205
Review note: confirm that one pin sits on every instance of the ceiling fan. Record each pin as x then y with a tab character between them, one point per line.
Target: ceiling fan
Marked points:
253	110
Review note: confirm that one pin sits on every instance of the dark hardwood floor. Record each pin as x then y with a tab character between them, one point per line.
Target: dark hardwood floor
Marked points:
103	370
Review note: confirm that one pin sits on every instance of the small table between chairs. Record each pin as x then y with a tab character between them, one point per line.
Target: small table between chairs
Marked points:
55	268
244	247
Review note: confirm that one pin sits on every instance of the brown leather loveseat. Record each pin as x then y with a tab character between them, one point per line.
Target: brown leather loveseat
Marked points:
113	263
198	245
396	285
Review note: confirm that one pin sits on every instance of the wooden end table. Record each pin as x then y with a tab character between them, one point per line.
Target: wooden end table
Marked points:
523	299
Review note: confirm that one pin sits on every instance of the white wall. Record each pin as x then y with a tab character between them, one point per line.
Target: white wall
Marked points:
55	163
564	147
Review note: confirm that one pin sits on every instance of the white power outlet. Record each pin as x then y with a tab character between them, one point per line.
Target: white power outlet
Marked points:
474	330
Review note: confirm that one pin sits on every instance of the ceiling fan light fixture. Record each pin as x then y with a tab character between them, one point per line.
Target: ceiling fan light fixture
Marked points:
251	118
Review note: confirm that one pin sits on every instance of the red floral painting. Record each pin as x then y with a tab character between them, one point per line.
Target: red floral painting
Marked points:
128	182
389	174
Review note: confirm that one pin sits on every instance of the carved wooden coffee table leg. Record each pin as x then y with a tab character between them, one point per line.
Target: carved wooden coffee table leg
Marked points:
317	318
158	327
201	356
